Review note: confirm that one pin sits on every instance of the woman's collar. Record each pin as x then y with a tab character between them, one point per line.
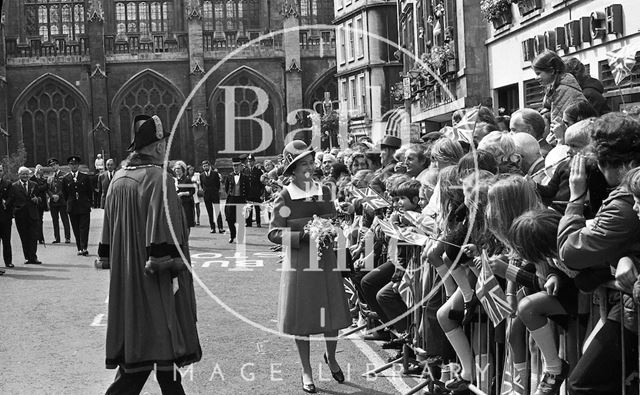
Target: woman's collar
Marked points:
315	189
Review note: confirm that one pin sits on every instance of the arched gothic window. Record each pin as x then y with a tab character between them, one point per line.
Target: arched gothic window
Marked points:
152	96
52	122
247	133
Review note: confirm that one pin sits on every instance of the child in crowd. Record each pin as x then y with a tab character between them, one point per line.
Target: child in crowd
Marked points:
533	238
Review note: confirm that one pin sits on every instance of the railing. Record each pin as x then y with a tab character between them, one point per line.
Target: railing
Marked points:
35	48
494	371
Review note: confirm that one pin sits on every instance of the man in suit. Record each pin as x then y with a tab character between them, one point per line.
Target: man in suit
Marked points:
25	211
235	185
41	193
77	190
104	179
255	190
210	183
57	203
6	216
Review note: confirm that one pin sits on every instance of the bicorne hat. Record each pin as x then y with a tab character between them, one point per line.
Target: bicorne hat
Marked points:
147	130
293	152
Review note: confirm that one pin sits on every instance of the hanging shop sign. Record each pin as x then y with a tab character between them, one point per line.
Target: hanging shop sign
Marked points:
573	34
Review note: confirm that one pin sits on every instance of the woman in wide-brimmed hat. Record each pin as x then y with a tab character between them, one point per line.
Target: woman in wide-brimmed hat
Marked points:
310	302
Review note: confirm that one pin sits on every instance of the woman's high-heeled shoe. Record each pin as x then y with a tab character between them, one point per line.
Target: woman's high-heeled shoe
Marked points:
308	388
338	376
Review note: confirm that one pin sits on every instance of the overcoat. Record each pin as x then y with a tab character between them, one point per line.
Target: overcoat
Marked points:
310	301
151	318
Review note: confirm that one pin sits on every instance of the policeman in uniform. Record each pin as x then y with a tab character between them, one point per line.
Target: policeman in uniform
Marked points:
255	190
57	204
77	191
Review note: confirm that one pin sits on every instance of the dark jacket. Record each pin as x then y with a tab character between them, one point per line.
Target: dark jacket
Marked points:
229	184
255	189
593	89
556	192
210	186
78	193
55	188
558	98
6	200
41	191
23	206
381	175
103	185
613	234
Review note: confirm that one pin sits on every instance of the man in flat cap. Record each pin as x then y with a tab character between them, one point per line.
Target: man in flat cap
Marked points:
151	320
235	185
388	147
77	190
57	203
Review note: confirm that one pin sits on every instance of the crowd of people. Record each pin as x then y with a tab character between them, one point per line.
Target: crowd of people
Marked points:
68	197
548	199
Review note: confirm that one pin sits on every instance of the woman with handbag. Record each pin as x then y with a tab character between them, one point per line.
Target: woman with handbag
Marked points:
310	301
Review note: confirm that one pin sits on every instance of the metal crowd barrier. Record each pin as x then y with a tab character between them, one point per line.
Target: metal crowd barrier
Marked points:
491	355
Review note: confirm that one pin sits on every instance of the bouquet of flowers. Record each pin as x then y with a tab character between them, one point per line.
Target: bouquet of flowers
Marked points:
323	231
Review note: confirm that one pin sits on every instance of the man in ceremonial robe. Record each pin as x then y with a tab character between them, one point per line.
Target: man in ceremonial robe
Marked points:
152	312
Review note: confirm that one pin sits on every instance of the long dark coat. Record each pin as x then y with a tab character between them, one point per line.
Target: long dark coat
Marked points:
149	321
310	302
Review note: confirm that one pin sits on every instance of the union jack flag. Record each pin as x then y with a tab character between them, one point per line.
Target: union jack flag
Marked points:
370	198
405	289
511	381
389	229
464	129
423	223
491	294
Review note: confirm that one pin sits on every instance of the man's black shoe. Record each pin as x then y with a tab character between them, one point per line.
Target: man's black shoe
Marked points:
212	231
231	240
221	230
55	242
85	253
378	335
9	264
395	344
67	241
33	263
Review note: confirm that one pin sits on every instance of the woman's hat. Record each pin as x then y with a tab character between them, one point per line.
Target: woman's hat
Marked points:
293	152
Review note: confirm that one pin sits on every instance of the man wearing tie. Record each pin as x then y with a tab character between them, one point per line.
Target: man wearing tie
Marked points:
104	179
77	190
210	182
235	185
25	211
57	204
